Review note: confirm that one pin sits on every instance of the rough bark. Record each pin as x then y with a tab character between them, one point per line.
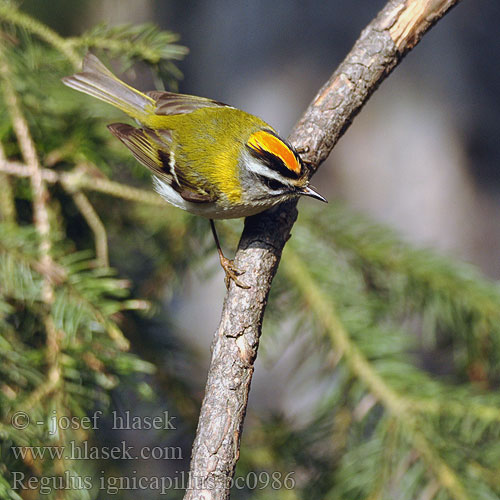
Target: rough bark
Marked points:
381	46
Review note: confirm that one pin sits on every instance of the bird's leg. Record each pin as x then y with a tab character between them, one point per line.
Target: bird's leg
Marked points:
228	265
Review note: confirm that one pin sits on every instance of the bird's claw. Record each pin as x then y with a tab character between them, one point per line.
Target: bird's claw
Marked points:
232	273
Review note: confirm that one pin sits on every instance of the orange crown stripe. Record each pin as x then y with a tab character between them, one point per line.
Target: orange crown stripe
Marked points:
269	142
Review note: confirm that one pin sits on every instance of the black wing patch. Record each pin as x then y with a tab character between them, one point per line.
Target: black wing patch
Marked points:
180	183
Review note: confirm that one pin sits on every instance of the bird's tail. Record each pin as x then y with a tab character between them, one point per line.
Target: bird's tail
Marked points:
97	81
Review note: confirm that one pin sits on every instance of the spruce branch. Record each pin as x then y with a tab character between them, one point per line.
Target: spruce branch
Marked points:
144	41
40	211
379	247
381	46
401	408
9	13
72	181
53	336
87	298
450	294
30	156
61	346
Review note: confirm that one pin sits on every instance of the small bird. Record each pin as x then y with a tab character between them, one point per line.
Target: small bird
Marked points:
208	158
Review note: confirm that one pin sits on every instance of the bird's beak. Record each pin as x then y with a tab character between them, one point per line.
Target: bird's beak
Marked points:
309	191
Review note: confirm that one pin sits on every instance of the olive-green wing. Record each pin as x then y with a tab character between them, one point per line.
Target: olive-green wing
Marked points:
153	150
169	103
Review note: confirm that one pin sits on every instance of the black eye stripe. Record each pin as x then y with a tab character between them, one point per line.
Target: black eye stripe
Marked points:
273	162
272	184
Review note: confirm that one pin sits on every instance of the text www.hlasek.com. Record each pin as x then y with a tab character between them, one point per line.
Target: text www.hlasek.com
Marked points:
162	484
83	451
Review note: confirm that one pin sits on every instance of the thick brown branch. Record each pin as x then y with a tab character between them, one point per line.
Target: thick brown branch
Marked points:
381	46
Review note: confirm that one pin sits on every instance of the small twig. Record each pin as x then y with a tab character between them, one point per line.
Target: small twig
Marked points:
12	15
96	225
430	491
145	51
75	180
7	205
42	391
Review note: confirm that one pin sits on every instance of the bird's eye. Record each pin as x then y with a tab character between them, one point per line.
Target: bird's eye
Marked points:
273	184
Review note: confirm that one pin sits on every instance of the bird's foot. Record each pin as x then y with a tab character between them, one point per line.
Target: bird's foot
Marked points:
232	272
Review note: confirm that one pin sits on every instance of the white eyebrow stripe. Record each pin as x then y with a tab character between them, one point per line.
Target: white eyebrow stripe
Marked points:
257	167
